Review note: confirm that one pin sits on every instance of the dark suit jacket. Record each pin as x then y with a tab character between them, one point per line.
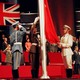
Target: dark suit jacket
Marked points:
76	57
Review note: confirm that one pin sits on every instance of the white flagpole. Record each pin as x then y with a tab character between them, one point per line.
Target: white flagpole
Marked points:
43	40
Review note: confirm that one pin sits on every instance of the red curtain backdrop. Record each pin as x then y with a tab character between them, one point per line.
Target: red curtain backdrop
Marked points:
62	13
50	32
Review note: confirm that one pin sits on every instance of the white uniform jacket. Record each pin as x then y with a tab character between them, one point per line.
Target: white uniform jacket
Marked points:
66	44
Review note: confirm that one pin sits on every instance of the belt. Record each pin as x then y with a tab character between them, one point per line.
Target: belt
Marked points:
65	47
18	43
34	44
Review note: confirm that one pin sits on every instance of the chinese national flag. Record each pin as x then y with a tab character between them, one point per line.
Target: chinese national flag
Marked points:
50	32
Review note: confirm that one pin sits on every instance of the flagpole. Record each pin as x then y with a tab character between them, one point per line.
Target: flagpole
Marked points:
43	39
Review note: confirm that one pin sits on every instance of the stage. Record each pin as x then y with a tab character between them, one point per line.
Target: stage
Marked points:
55	69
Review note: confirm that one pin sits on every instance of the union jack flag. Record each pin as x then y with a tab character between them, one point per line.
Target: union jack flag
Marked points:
9	13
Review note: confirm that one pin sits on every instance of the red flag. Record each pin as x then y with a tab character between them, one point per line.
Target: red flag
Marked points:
8	13
50	32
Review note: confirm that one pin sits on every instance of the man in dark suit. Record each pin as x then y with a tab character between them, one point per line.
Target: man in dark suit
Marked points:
76	60
16	43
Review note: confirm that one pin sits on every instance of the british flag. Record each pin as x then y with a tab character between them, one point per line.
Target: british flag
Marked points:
9	13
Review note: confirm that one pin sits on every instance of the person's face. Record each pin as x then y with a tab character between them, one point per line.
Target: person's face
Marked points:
76	48
28	40
35	30
66	30
5	39
74	38
17	26
3	36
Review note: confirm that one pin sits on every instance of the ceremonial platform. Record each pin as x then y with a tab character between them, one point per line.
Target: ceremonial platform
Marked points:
55	69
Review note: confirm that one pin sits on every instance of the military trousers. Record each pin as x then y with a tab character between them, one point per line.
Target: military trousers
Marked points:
67	61
16	60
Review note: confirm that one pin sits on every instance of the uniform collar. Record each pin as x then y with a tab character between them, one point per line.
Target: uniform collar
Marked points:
66	34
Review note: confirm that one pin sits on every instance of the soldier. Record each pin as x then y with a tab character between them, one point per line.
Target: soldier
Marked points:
16	43
66	44
35	49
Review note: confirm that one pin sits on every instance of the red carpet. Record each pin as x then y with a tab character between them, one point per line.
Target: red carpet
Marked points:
55	69
55	57
5	72
25	71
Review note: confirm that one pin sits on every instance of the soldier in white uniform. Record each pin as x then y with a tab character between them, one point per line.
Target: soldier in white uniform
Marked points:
66	44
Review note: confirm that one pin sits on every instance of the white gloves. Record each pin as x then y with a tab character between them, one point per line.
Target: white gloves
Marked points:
36	20
19	26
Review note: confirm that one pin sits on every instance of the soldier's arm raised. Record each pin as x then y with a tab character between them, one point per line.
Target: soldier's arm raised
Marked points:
35	22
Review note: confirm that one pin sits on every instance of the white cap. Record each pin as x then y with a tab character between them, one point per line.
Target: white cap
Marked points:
66	26
15	23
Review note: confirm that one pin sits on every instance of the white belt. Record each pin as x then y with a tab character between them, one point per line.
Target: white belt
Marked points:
34	44
18	43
